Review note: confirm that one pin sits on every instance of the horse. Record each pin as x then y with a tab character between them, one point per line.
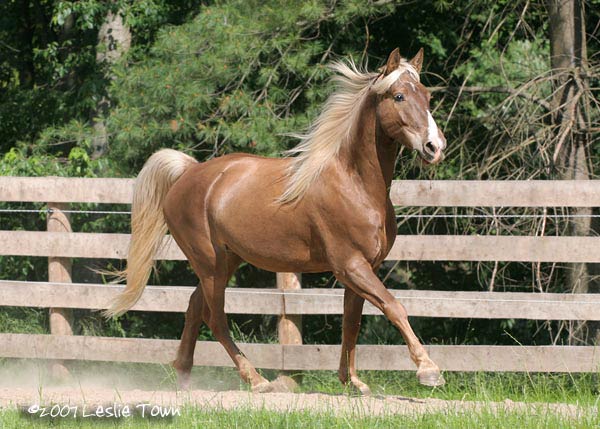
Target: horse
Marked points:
325	209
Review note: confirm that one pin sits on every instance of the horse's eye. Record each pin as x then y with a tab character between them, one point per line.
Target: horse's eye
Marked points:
398	97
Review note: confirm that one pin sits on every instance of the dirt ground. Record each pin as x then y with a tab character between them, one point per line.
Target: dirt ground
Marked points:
23	384
318	402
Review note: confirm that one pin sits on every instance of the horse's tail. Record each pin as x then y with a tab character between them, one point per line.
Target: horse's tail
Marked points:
148	225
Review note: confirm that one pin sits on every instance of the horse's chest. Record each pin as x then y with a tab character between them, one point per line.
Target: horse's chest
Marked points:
376	246
376	237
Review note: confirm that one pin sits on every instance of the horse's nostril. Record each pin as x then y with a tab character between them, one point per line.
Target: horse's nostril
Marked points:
430	148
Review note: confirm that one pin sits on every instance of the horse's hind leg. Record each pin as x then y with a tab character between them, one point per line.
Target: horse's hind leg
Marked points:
197	313
213	287
185	354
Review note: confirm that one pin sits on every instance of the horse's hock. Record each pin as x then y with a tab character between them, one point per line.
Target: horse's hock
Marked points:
60	245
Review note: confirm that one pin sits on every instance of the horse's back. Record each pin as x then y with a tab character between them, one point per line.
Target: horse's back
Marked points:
208	185
232	202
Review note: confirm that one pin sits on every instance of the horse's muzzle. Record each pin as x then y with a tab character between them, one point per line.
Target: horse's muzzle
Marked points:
431	154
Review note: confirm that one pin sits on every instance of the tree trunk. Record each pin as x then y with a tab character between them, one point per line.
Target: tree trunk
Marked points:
25	28
114	40
66	33
570	121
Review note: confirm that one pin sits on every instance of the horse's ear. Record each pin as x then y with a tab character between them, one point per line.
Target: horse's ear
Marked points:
393	62
417	61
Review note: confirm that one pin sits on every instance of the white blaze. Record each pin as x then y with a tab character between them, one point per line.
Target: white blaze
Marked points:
433	133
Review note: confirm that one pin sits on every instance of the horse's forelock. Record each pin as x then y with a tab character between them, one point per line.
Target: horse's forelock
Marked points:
383	83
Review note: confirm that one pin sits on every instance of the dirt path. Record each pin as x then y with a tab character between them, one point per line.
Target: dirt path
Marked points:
318	402
26	383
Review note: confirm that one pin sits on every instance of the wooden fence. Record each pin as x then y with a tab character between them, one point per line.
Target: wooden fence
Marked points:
290	301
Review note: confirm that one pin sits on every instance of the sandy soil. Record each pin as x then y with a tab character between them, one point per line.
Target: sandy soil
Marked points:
27	384
227	400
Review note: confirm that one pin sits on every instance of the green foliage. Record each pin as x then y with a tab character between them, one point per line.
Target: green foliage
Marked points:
48	71
237	78
215	77
49	75
34	160
23	320
521	61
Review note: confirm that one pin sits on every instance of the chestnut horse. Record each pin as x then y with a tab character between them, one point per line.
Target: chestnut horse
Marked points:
326	209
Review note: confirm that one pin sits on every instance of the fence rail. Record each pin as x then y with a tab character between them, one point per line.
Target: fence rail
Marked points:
406	247
291	304
421	303
304	357
426	193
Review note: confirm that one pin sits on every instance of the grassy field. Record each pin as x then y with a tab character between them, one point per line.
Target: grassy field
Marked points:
244	418
582	389
577	389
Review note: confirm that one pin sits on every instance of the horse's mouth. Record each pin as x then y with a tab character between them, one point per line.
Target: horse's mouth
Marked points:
431	158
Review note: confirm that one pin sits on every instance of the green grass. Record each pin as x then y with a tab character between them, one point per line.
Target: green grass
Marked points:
244	418
519	387
583	389
579	389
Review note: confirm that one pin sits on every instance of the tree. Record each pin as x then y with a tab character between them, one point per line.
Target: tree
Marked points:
239	77
114	40
216	77
54	67
571	121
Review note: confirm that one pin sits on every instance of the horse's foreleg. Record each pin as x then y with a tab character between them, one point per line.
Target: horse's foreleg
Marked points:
185	354
353	305
358	275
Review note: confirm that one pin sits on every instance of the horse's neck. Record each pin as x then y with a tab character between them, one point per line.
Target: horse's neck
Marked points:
371	154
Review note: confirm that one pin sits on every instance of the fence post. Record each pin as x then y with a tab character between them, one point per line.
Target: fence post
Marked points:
59	270
289	327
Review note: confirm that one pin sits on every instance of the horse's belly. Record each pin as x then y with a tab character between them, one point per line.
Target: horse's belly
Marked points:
244	216
274	240
274	252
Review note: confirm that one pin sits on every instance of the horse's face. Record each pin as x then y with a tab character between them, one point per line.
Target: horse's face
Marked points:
403	109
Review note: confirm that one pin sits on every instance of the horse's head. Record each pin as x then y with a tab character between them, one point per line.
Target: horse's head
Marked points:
403	108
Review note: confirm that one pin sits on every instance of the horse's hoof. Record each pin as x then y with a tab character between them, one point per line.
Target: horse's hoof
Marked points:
362	389
358	387
262	387
60	373
184	385
183	380
282	384
431	378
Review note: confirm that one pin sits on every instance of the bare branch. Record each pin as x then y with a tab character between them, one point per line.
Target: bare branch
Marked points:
493	89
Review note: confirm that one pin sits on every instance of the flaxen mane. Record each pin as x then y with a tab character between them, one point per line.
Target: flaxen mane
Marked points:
335	125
